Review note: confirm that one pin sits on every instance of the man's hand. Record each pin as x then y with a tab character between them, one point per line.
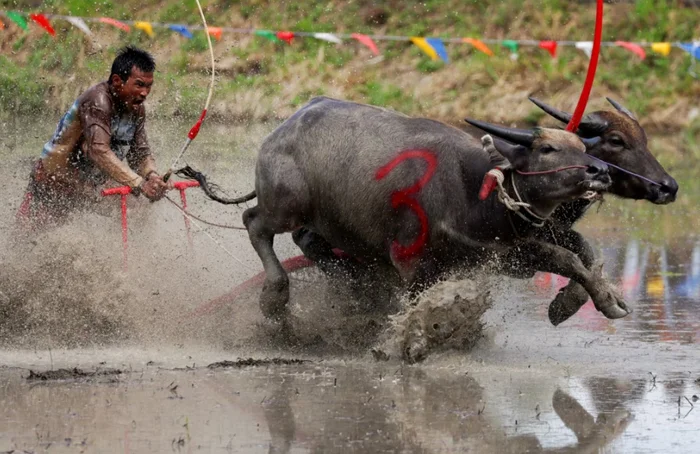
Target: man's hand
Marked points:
154	188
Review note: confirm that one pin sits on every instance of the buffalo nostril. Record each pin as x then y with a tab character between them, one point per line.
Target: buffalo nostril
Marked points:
669	186
597	169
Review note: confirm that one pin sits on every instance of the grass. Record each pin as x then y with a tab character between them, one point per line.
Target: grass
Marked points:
276	78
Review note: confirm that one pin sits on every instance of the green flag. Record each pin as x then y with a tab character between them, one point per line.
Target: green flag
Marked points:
18	19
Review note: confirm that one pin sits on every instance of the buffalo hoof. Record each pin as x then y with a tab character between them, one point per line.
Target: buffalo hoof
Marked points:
608	300
274	299
567	303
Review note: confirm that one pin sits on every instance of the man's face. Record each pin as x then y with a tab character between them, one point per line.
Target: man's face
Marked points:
133	92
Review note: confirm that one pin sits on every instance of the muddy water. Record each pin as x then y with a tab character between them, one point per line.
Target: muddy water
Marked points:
588	385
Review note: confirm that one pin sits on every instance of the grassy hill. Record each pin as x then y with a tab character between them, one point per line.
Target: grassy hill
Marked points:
260	80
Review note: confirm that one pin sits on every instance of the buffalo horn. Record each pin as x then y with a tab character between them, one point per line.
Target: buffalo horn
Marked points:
621	108
519	136
556	113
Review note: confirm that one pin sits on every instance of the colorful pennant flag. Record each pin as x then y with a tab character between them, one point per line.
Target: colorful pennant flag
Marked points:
330	37
661	48
586	47
2	25
79	24
634	48
549	46
272	36
425	47
43	23
115	23
285	36
692	48
216	33
479	45
367	41
18	19
510	45
145	27
181	29
439	46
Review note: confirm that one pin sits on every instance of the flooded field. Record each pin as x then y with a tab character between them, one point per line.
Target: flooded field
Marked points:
156	355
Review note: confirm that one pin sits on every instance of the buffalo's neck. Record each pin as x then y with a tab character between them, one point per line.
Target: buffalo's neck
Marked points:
567	214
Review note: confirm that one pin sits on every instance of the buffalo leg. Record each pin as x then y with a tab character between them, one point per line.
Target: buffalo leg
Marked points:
316	248
555	259
275	292
572	297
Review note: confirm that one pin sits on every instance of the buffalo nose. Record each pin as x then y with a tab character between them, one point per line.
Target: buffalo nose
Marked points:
669	186
597	169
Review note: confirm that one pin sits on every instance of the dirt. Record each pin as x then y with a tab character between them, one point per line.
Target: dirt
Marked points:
250	362
68	374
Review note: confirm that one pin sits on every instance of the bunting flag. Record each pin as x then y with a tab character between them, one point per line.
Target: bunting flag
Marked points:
432	47
285	36
145	27
693	49
80	25
661	48
479	45
586	47
632	47
367	41
549	46
17	18
439	46
425	47
330	37
272	36
115	23
43	23
216	33
181	29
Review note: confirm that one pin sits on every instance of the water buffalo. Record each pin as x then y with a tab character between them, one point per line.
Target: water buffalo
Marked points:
636	174
404	192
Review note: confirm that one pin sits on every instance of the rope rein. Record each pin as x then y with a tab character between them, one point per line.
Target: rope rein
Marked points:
213	224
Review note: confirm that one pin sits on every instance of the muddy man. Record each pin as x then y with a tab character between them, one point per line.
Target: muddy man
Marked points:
104	126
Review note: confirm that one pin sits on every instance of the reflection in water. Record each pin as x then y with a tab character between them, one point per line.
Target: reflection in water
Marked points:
312	409
661	283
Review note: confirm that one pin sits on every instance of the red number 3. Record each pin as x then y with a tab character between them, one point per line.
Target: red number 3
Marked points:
405	197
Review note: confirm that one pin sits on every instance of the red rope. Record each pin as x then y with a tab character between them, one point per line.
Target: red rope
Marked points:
588	84
545	172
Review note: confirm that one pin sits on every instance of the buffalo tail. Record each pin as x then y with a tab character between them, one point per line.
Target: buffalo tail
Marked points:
209	188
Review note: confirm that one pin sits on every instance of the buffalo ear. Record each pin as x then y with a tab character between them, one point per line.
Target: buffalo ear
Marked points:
503	154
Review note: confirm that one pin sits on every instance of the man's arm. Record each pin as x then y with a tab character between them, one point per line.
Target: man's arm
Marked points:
96	120
139	156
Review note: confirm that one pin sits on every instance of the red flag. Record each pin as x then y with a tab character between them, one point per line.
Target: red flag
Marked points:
285	36
215	32
115	22
367	41
634	48
43	22
549	46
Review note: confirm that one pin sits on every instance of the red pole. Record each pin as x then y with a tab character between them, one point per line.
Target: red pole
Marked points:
124	230
182	187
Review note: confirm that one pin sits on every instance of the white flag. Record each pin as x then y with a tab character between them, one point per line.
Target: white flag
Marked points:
586	46
331	38
79	23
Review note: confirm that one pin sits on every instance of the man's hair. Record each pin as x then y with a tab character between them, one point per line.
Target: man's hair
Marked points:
127	58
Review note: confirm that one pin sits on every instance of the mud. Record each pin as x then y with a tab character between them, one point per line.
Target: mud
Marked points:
67	374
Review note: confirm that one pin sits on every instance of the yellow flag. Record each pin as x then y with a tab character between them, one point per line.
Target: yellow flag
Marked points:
425	47
145	27
661	48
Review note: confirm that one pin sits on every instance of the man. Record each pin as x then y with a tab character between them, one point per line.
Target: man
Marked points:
105	125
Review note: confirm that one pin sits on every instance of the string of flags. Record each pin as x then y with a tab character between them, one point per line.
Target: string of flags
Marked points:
431	46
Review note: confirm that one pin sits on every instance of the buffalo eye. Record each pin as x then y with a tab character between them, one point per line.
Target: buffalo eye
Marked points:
547	149
616	141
